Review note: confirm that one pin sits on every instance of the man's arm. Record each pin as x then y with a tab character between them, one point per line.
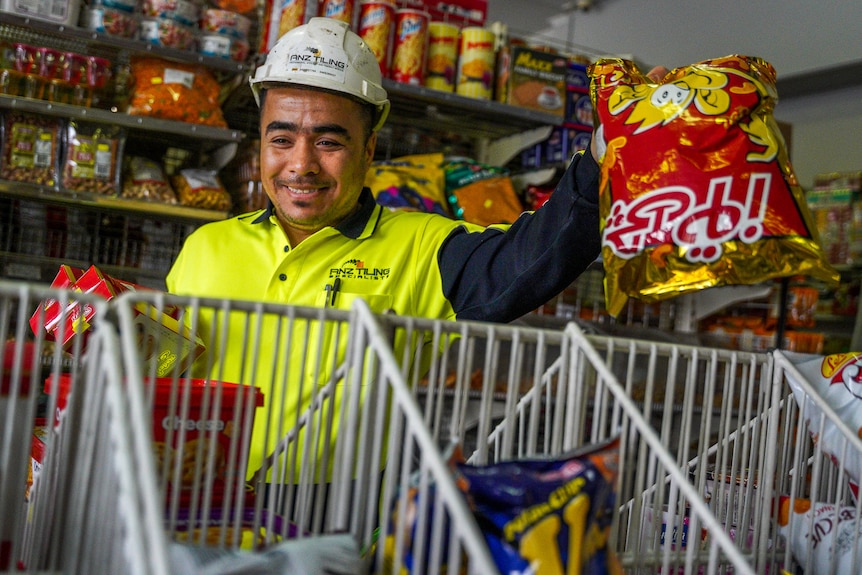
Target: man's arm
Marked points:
499	276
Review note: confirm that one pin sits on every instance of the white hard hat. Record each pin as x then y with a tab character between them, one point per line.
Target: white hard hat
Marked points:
324	53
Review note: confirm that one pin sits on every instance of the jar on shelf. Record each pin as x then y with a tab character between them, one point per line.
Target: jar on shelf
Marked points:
121	87
98	81
21	81
57	89
74	74
47	66
10	78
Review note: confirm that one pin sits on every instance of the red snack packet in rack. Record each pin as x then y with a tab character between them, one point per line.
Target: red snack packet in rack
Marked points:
696	186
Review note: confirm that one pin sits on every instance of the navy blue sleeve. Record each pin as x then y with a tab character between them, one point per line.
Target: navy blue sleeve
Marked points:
499	276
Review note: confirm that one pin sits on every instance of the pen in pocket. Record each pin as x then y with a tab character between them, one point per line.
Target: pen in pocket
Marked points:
331	291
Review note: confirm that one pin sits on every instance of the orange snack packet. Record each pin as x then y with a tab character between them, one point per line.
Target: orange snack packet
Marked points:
696	185
175	91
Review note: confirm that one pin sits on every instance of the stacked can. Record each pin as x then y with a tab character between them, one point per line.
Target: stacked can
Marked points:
336	9
410	45
442	59
291	14
476	62
375	26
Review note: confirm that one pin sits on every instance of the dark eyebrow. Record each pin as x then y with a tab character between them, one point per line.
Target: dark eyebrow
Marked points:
321	129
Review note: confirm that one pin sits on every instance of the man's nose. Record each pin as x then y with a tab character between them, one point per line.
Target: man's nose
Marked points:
303	158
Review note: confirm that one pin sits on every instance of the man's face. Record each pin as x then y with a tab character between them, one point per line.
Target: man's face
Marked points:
313	158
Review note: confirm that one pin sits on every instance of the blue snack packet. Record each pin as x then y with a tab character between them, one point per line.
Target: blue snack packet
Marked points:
546	515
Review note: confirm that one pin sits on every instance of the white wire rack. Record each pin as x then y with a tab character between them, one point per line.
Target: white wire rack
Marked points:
333	466
509	392
710	439
505	392
55	517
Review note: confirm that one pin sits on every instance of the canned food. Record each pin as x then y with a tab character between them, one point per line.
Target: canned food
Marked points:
375	27
411	37
225	22
476	60
292	14
442	57
336	9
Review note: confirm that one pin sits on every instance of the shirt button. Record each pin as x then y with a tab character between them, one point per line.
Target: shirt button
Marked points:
282	277
286	249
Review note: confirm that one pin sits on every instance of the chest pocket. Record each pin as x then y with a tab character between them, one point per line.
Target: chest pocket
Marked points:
331	342
379	303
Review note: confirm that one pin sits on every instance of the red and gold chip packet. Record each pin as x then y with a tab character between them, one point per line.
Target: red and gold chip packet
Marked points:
696	185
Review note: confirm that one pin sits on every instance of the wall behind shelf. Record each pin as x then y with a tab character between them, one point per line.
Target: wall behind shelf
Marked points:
799	37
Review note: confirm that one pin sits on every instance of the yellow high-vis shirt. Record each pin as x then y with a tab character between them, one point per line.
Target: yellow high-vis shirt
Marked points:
391	264
408	263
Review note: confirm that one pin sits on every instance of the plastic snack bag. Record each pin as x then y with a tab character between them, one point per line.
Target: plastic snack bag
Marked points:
404	551
146	180
317	555
821	533
696	186
838	380
481	194
201	189
175	91
549	515
413	183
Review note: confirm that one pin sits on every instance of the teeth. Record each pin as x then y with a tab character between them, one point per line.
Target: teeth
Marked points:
297	191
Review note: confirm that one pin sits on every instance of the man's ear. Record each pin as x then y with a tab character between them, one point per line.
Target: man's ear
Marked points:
370	147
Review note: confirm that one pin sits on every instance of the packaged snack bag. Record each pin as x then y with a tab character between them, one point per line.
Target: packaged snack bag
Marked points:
175	91
481	194
825	534
413	183
550	515
696	186
146	180
201	189
838	380
91	157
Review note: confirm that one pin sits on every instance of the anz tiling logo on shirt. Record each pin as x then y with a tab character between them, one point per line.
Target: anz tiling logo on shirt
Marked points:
356	269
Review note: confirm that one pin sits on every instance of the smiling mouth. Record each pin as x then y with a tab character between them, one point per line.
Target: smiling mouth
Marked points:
301	192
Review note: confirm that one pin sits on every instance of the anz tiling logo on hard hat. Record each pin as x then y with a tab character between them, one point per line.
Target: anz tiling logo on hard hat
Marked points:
314	57
356	269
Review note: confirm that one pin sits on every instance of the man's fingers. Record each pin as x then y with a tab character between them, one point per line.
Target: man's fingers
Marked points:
657	73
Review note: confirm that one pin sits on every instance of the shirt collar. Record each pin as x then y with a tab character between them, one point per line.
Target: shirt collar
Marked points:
358	225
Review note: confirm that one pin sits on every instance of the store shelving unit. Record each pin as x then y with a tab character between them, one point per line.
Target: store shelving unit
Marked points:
208	136
25	29
138	240
44	226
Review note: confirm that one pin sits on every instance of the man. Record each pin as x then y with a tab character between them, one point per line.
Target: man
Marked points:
321	104
325	242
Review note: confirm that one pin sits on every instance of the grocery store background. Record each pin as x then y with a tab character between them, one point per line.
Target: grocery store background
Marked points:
814	47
